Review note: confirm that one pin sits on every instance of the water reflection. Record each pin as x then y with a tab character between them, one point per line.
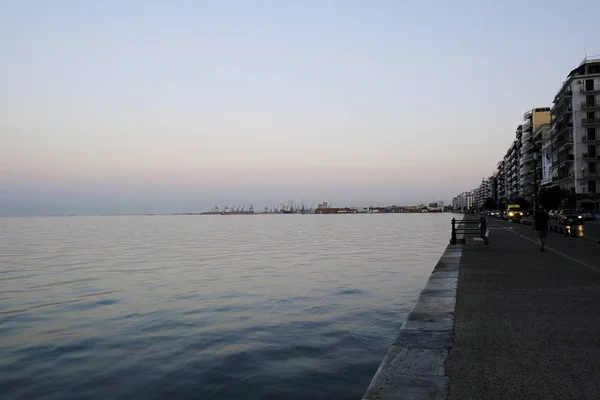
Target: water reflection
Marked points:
288	307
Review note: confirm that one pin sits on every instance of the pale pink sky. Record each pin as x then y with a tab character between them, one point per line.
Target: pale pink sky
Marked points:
188	104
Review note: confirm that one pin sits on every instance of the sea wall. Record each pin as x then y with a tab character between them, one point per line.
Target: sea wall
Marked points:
414	366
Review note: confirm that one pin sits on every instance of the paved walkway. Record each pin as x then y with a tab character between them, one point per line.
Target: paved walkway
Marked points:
527	323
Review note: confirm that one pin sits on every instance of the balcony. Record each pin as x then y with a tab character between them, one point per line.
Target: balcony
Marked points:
562	126
589	91
590	175
586	139
561	96
563	158
525	160
564	132
586	106
561	117
590	121
587	156
560	142
561	173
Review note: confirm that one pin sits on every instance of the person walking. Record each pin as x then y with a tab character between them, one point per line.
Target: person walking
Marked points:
541	224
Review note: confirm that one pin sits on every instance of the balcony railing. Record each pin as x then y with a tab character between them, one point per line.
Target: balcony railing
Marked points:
564	135
561	124
585	138
561	130
560	97
586	106
583	89
590	121
587	156
561	142
564	159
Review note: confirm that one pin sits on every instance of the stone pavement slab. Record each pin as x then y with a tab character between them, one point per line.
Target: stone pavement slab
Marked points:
413	367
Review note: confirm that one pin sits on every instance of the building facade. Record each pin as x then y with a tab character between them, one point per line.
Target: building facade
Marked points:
557	146
530	149
482	193
544	156
464	201
513	169
575	138
500	183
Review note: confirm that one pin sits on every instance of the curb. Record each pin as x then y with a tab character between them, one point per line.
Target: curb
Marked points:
414	366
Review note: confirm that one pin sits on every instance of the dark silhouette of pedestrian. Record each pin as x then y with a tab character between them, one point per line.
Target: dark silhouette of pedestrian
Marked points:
541	224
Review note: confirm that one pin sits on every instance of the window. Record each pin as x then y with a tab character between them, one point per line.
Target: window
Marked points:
589	84
591	133
592	167
591	150
592	186
590	100
591	115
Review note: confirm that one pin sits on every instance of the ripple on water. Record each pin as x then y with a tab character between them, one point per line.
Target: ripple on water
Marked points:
264	307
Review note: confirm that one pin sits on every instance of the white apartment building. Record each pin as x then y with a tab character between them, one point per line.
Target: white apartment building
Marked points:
469	200
482	193
575	134
463	201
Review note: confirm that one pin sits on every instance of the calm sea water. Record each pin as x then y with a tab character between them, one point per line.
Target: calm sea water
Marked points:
208	307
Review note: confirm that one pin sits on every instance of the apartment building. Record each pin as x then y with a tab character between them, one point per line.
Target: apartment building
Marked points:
455	203
575	134
500	182
482	193
463	201
513	170
557	146
543	146
530	146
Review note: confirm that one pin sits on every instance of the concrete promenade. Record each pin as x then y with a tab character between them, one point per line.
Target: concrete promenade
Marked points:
526	324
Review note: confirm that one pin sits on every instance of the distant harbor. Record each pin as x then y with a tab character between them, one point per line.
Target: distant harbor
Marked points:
324	208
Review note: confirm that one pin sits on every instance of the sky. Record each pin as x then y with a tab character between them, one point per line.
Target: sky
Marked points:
132	106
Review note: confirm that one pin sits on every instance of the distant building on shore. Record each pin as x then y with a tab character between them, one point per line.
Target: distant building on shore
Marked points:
463	201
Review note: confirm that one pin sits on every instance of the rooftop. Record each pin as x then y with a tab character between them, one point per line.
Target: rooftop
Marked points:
589	59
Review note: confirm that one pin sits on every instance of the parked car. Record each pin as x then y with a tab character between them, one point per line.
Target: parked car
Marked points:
495	213
553	214
586	215
570	217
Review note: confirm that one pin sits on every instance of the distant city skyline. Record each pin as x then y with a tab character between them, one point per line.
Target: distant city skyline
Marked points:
178	106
